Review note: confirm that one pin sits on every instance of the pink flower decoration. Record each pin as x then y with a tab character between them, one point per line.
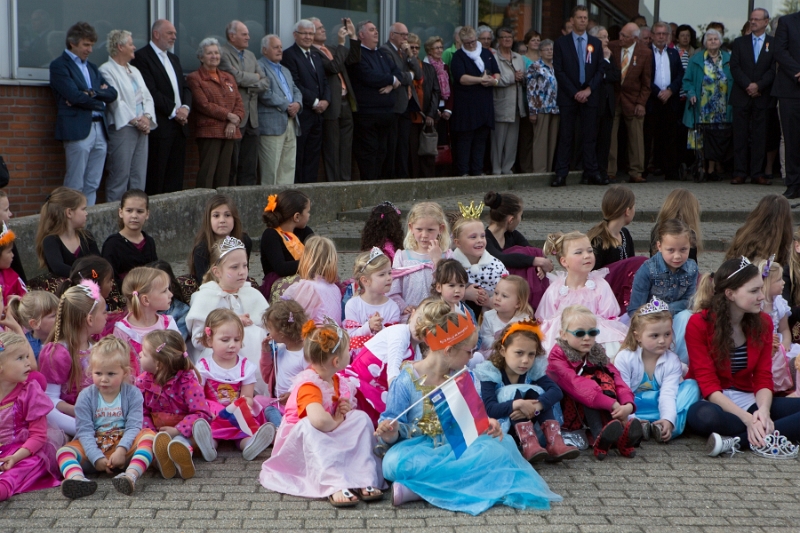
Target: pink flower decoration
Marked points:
93	289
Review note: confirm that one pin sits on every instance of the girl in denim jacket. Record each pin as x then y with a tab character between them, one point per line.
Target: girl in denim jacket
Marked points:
669	275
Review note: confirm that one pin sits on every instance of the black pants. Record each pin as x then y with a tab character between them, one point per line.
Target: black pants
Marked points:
790	121
371	138
387	169
166	158
705	418
244	167
749	141
661	138
401	152
470	147
566	132
422	166
605	123
309	147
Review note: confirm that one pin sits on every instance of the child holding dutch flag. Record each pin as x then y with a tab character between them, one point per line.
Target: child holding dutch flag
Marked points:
444	449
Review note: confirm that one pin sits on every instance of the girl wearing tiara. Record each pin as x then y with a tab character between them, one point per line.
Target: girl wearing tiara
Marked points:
324	445
225	286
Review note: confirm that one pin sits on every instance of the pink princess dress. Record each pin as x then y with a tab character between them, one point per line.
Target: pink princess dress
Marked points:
318	298
23	423
310	463
596	295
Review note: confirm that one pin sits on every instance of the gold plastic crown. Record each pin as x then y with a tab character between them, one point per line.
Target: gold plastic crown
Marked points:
471	212
451	334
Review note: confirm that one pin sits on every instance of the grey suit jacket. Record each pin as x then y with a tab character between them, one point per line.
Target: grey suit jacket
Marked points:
342	56
406	66
247	79
272	103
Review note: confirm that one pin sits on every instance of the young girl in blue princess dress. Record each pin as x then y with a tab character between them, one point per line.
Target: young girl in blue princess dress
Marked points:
421	463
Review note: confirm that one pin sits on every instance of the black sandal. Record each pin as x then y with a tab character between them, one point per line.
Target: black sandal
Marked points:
347	494
370	494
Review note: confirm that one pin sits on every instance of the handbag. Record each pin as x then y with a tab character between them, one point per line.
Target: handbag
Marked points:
428	141
4	175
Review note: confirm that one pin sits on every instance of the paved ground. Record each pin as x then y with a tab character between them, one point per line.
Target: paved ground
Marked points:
673	487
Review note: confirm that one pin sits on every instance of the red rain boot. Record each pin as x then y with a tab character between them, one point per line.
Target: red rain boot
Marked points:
556	448
631	436
607	437
531	450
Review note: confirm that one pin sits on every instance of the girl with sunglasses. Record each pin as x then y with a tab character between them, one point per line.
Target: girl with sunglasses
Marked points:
595	395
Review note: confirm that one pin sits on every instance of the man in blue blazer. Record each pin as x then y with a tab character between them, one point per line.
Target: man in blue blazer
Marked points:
81	96
305	64
753	71
787	89
661	121
579	75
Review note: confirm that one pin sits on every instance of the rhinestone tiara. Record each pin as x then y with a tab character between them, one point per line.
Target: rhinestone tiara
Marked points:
653	306
743	263
776	446
228	245
373	255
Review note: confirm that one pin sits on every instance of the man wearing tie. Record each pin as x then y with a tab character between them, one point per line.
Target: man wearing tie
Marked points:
753	71
81	96
163	75
579	66
305	64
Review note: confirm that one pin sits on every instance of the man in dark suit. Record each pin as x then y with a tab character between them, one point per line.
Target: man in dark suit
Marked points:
607	103
753	71
663	106
163	75
579	65
396	48
81	96
337	120
635	61
305	64
786	89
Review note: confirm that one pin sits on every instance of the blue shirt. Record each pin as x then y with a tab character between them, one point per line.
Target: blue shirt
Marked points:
84	66
654	278
284	84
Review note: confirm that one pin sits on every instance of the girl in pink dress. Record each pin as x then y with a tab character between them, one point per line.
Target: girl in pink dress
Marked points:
27	457
226	377
65	357
174	402
316	290
579	285
324	446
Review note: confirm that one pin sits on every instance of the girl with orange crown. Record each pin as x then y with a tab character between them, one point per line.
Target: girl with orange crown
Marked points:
516	391
421	462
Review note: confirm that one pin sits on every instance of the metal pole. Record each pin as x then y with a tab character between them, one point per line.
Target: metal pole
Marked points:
657	10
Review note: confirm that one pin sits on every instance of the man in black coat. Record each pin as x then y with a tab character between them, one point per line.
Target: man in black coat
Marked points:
753	71
163	75
579	75
786	89
663	105
306	65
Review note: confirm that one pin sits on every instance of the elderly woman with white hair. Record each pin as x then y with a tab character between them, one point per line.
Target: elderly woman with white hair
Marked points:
707	83
130	118
218	109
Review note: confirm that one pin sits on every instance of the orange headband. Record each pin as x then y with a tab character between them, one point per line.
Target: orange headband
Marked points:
524	325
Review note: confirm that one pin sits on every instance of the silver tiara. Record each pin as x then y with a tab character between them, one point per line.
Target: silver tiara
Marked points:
743	263
653	306
228	245
776	446
373	255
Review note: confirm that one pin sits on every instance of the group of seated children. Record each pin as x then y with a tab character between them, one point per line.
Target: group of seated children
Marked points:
339	374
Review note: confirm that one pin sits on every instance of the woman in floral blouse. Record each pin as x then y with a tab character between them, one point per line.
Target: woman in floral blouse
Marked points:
543	111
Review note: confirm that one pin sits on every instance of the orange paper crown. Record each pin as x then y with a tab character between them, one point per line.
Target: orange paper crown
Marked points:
524	325
6	236
451	334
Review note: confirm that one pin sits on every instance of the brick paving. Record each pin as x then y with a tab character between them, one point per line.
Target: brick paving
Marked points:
673	487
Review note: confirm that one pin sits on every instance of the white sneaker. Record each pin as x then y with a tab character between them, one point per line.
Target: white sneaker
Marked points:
259	442
717	445
201	433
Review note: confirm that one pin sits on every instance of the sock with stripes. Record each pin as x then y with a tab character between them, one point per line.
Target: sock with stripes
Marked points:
69	462
142	456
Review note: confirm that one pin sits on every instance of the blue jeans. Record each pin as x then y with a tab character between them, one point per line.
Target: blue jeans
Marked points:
272	414
85	160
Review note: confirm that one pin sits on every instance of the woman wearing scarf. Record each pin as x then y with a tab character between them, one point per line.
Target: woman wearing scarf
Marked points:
475	74
434	48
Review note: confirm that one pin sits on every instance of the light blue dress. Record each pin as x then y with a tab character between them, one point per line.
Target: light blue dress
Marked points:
646	400
489	472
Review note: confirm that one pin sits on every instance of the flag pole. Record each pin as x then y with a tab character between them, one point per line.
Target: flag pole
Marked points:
410	407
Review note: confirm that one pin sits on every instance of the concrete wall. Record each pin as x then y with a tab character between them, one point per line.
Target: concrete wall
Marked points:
175	217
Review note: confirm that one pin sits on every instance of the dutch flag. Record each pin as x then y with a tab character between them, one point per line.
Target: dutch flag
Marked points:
238	415
461	412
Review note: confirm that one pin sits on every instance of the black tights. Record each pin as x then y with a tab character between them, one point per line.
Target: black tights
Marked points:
705	418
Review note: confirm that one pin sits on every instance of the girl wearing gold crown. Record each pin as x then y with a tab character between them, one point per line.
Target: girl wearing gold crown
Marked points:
516	391
225	286
420	461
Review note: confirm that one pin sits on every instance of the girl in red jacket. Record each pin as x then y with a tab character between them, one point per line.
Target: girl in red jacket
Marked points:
730	355
595	394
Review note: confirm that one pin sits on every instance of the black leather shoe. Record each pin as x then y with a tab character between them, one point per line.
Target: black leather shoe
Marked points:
597	179
559	181
791	192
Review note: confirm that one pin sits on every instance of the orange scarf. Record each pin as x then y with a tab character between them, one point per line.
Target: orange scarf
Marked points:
292	243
